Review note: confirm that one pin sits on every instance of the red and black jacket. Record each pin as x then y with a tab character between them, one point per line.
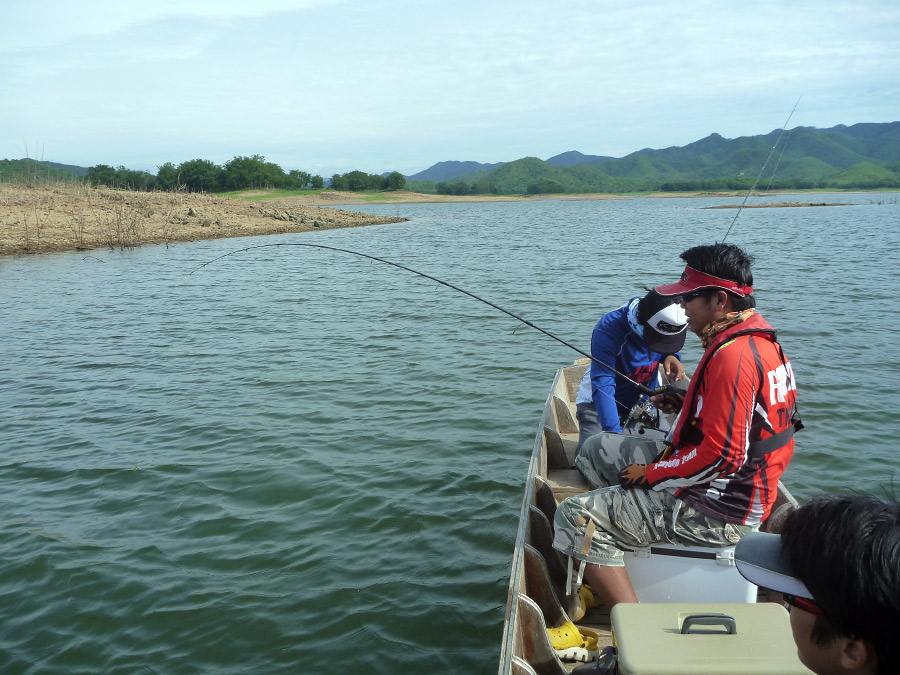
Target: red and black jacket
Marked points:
734	437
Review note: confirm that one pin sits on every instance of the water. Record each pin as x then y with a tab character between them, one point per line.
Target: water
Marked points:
301	461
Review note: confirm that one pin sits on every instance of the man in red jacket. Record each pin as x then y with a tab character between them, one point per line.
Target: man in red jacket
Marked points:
718	478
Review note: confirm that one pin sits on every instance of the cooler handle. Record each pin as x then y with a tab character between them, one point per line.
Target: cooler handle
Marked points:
709	620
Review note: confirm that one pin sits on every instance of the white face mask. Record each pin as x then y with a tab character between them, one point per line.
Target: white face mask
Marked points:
633	323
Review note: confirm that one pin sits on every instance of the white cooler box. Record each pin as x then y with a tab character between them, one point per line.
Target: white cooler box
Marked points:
671	573
704	639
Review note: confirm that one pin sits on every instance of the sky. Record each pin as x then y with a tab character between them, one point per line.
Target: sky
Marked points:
330	86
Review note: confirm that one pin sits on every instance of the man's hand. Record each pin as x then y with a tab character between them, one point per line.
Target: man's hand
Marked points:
673	368
669	399
633	476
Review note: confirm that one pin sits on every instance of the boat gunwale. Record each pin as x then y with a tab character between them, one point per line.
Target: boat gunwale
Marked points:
515	580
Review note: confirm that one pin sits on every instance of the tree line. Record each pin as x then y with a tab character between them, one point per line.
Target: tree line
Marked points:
543	186
202	175
859	178
240	173
357	181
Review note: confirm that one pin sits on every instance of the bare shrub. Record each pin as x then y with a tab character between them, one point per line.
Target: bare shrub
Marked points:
77	225
121	227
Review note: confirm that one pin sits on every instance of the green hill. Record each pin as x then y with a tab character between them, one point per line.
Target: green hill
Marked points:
866	175
859	156
32	169
527	174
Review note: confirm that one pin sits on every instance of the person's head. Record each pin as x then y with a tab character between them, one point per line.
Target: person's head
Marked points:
838	561
716	280
662	323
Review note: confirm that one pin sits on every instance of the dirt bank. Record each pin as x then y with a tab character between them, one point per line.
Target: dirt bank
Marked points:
69	217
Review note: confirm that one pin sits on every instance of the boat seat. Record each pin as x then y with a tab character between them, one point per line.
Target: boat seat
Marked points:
520	667
544	499
567	483
539	588
532	642
540	536
557	457
565	418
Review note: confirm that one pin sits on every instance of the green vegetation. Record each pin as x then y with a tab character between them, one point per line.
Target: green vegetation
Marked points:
202	175
357	181
196	175
866	175
428	187
30	170
120	177
239	173
266	194
864	156
533	176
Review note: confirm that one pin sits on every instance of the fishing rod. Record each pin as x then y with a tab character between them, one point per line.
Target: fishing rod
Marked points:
778	163
640	387
759	175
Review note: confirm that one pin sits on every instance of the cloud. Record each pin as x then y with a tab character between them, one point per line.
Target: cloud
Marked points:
467	80
43	23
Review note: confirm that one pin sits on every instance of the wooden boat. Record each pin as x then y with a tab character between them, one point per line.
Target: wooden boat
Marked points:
536	595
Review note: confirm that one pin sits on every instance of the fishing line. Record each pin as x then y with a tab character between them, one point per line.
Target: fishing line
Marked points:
759	175
640	387
778	163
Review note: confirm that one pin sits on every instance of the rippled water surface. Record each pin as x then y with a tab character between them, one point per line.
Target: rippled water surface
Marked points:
295	460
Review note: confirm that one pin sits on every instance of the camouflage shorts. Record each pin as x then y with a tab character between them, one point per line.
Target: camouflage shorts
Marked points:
603	455
625	519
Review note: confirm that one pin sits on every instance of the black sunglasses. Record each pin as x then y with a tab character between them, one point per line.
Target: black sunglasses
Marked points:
690	295
802	603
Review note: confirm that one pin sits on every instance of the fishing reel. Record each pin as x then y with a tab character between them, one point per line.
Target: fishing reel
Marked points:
643	416
646	417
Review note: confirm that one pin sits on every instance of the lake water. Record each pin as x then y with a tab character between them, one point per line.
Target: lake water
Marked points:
301	461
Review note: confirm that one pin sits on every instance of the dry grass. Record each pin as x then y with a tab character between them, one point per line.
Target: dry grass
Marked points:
36	218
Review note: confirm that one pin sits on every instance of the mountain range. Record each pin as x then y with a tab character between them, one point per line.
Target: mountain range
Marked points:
865	155
862	155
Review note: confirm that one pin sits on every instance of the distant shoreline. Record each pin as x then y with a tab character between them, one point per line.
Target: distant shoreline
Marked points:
333	198
776	205
73	217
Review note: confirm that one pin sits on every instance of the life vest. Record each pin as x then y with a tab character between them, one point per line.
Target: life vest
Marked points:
685	433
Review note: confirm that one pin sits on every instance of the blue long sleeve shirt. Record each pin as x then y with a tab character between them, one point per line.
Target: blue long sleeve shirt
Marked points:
614	342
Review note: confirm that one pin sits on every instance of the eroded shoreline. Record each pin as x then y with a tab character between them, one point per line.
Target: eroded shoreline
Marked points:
68	217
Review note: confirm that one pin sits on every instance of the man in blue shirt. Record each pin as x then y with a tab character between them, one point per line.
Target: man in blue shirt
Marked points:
633	339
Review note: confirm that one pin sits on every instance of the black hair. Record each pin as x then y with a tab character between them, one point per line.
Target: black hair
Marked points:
725	261
846	549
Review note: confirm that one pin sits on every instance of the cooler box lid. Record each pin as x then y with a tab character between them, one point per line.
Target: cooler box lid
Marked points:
705	639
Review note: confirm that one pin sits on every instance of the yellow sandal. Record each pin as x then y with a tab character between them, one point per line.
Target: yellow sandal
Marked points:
574	644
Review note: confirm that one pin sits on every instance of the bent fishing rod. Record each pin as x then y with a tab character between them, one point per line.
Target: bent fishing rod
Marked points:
640	387
759	175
